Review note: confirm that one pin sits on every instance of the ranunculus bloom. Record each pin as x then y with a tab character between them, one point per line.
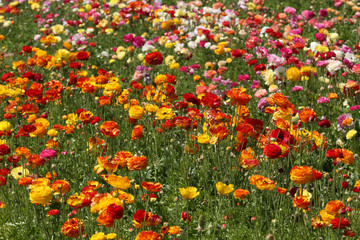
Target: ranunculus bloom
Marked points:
137	163
241	193
72	228
154	58
148	235
302	174
334	207
48	154
41	195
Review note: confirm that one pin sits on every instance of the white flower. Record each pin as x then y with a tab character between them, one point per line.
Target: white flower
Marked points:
147	48
333	66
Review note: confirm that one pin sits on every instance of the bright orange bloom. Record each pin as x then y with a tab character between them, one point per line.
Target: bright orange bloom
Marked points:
148	235
60	186
302	174
72	228
281	190
137	132
35	160
122	158
302	202
173	230
280	100
110	129
152	187
137	163
25	181
334	207
241	193
118	182
307	115
262	183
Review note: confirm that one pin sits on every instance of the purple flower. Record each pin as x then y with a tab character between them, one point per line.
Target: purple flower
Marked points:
48	154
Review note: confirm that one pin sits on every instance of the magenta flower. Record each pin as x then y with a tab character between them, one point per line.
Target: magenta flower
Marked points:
48	154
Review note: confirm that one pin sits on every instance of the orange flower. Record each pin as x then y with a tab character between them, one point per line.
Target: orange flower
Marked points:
302	202
60	186
239	96
262	183
334	207
280	100
152	187
241	193
105	219
110	129
25	181
86	117
137	163
118	182
307	115
22	152
174	230
122	158
137	132
302	174
281	190
72	228
35	160
148	235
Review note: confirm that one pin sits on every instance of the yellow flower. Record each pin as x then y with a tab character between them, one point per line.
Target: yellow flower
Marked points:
293	74
204	138
351	134
57	29
224	189
98	236
41	195
52	133
5	126
136	112
189	192
151	108
19	172
118	182
159	79
164	113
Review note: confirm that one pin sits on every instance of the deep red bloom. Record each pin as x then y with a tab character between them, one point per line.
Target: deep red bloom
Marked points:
340	223
115	211
154	58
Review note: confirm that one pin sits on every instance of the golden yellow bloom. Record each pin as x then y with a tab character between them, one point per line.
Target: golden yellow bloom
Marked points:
189	192
293	74
5	126
159	79
52	133
164	113
351	134
151	108
41	195
224	189
136	112
118	182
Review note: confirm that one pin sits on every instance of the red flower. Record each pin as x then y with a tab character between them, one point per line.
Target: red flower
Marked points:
189	97
2	181
211	100
4	149
52	212
340	223
115	211
272	151
154	58
83	55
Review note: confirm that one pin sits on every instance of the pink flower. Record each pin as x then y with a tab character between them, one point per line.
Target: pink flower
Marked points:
323	100
354	108
356	68
308	14
297	88
48	154
243	77
290	10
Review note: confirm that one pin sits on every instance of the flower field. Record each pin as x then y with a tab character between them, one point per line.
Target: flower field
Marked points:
179	120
